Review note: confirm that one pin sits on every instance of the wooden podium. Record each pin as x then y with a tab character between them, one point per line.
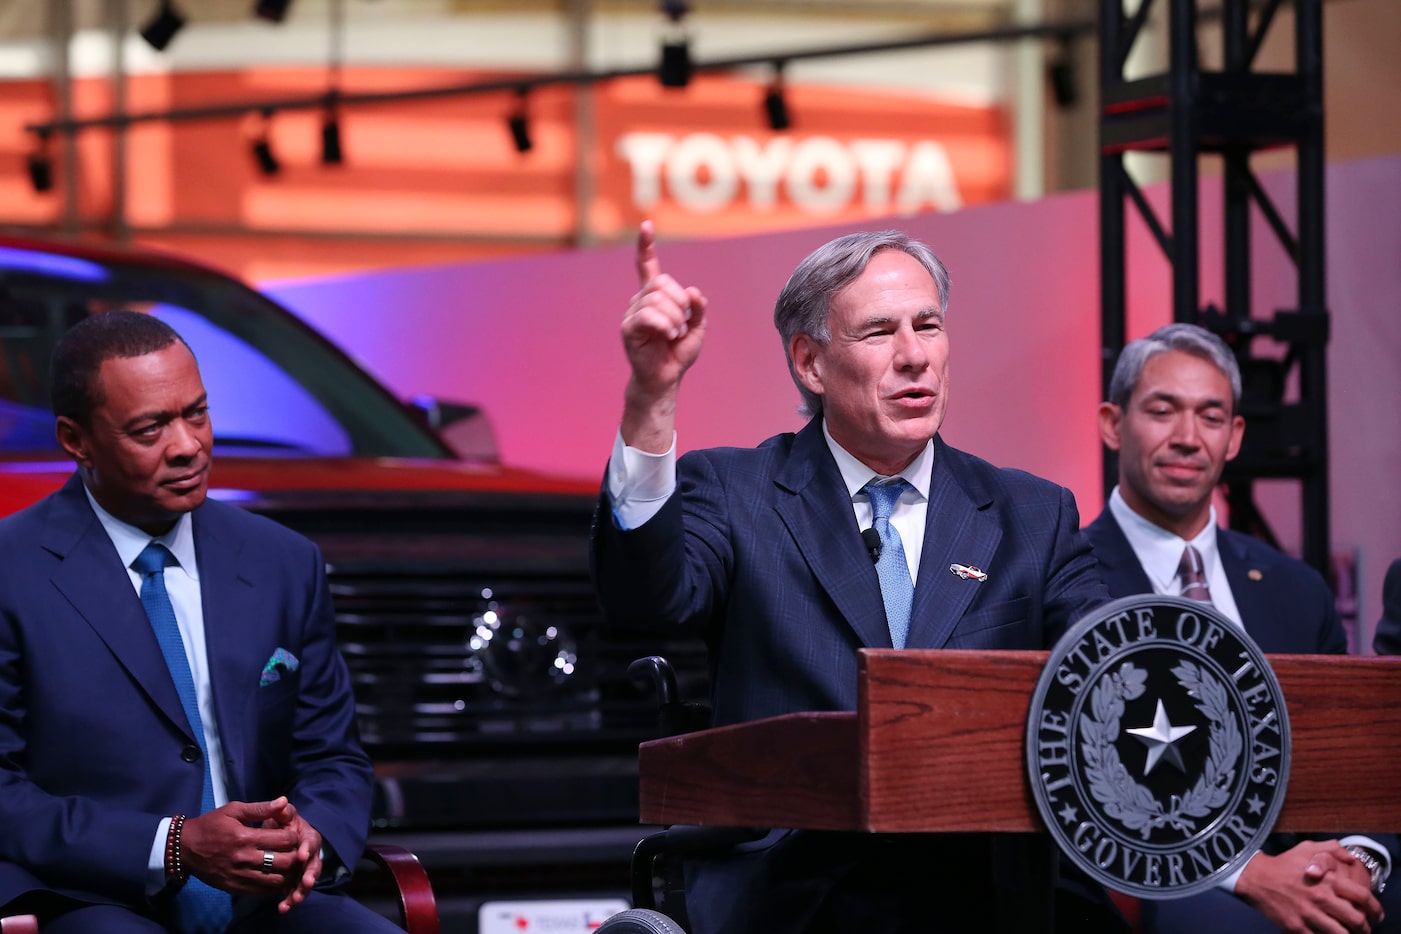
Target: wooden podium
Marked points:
937	745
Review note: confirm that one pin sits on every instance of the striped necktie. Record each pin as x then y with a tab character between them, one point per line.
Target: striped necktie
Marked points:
1193	575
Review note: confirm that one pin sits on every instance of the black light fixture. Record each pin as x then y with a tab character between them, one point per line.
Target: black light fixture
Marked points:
263	155
331	153
41	166
274	11
518	122
163	26
775	105
674	69
1060	71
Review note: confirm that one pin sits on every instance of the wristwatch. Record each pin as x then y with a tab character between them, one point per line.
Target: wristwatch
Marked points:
1372	865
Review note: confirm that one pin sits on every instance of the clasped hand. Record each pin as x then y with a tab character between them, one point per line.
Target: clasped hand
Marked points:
224	848
1315	886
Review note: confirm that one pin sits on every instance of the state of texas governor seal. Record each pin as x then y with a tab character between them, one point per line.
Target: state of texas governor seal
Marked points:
1158	746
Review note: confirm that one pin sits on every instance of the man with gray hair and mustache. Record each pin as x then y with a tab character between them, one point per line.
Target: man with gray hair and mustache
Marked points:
762	552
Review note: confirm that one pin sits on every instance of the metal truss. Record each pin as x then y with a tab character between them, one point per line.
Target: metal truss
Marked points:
1233	113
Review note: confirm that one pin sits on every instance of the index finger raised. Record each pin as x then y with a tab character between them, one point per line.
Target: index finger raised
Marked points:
648	266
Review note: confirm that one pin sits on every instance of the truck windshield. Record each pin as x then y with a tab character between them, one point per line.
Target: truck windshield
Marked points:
276	388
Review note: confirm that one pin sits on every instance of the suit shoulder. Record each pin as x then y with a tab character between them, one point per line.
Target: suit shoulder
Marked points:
1016	483
1272	559
1103	527
728	460
26	522
250	527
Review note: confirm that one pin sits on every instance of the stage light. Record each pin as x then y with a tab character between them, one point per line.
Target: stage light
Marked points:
518	122
520	132
674	69
775	106
263	155
274	11
1061	73
41	166
163	26
331	153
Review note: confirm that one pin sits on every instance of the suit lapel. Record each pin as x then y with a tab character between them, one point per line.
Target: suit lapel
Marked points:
94	582
818	515
226	592
1119	566
958	529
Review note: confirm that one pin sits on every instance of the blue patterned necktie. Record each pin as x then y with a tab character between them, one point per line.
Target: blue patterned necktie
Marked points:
896	587
198	908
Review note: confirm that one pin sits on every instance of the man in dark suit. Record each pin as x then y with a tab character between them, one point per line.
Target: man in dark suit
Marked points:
177	739
1172	418
762	552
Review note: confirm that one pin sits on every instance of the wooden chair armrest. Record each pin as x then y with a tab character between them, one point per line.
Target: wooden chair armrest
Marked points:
418	909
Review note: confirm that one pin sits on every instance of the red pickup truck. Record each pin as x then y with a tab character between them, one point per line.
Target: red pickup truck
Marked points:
497	708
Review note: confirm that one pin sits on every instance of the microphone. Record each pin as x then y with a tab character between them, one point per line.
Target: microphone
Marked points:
872	539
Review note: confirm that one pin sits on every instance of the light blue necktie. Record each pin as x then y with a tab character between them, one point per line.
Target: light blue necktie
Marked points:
896	588
198	909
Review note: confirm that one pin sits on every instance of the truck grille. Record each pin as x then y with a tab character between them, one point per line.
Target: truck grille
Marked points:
443	661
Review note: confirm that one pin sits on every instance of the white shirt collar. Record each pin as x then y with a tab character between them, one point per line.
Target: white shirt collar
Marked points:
856	474
1160	551
131	541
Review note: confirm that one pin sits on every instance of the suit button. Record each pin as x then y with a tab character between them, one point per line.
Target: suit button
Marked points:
190	753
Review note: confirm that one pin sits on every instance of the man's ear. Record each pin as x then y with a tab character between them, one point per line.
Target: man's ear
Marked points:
1237	435
1110	415
73	439
806	354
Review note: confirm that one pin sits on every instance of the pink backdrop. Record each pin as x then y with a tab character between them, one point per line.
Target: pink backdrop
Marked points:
535	341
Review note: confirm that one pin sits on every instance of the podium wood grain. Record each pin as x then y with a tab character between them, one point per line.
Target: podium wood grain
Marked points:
937	746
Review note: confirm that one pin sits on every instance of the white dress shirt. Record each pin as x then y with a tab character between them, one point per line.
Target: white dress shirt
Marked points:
1160	552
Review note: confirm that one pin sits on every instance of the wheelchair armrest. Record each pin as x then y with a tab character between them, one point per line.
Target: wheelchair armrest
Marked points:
674	715
680	840
418	909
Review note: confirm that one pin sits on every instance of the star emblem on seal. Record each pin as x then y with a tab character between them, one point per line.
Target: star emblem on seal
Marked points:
1161	739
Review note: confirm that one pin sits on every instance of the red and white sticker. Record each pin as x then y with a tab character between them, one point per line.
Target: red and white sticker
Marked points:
547	916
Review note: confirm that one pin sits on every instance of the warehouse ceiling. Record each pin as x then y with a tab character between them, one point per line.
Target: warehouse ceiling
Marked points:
28	19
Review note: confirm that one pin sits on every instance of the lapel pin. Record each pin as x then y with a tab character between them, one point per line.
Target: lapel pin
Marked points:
967	571
1255	574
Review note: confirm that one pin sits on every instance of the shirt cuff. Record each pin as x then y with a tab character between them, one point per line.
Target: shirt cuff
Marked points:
639	483
155	863
1229	882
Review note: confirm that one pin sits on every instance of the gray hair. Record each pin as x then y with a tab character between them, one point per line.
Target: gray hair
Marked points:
1187	338
803	303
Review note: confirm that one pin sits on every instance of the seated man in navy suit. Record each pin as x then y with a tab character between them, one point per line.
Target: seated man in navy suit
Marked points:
762	552
178	748
1172	417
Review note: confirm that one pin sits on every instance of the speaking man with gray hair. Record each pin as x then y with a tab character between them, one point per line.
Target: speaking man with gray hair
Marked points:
789	557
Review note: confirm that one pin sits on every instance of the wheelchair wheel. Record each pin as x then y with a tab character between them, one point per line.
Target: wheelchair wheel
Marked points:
640	921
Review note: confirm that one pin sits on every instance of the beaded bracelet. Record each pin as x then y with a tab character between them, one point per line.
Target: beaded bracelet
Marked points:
175	873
